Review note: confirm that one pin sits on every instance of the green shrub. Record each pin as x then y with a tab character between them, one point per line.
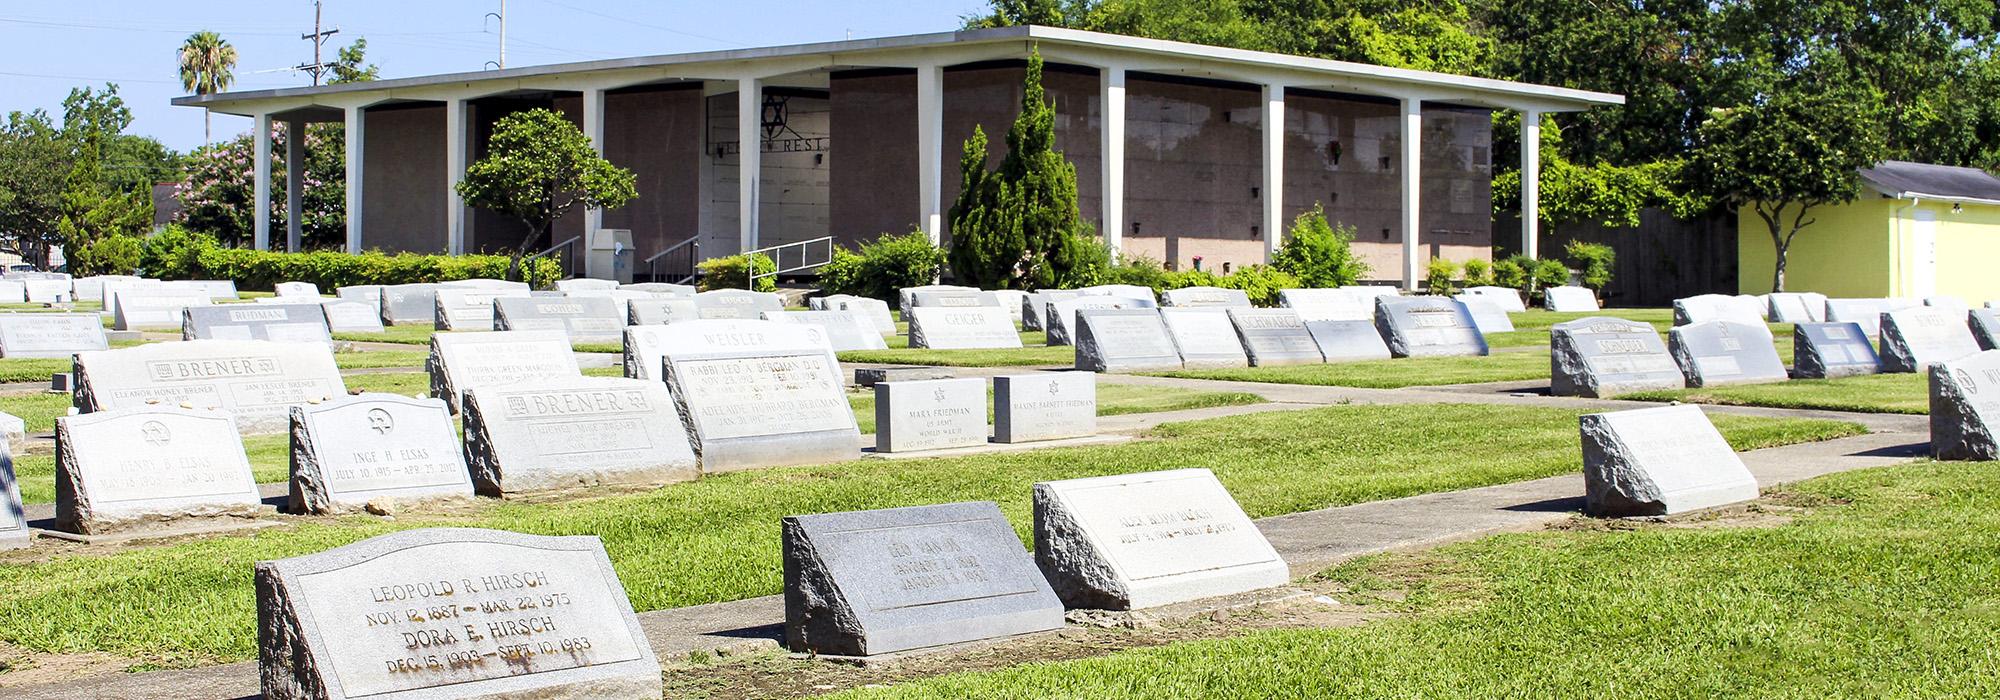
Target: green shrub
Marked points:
1593	262
111	255
1550	273
1260	282
733	272
1438	276
1318	254
1138	270
884	265
1478	273
1510	272
178	254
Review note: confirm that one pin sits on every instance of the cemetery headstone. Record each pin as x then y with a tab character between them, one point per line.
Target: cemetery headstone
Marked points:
218	290
47	291
1010	299
583	284
875	310
903	303
584	319
352	450
1149	539
1659	461
122	470
470	308
1717	307
352	316
156	309
460	362
736	304
296	289
1327	304
485	283
645	345
1348	341
1715	353
1598	357
1059	319
845	330
1949	304
875	582
1487	316
370	294
1507	298
1124	340
407	304
1274	337
289	323
1204	337
1569	299
14	433
962	328
14	532
256	381
574	432
1984	324
13	292
935	414
755	400
660	311
1035	307
1965	407
1128	291
1796	307
868	377
452	613
679	290
1917	337
50	335
1206	297
1866	312
92	288
958	298
1046	406
1428	327
1832	350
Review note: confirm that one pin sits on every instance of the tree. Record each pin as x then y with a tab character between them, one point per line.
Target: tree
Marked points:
1018	227
215	190
538	168
34	167
351	64
208	66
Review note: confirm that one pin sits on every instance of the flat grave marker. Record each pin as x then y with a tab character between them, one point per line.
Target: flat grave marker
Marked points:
355	449
574	432
1659	461
933	414
1204	337
1124	340
1144	540
125	470
1045	406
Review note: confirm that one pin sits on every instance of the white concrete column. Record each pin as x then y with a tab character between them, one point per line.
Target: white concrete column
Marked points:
1274	170
749	159
1413	152
1531	182
295	184
593	129
260	227
930	151
355	133
1111	90
455	148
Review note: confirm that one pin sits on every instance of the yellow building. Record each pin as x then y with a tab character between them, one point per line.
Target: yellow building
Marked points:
1916	231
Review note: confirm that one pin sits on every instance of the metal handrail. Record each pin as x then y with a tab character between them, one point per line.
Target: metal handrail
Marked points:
778	257
651	266
567	259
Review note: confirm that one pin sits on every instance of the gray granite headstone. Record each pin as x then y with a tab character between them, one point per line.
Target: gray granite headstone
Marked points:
903	295
1920	336
452	613
1149	539
352	450
1715	353
1832	350
1866	312
13	518
752	399
1599	357
1507	298
1486	315
1204	337
660	311
408	304
1795	307
933	414
1965	408
286	323
1567	299
1274	337
470	308
645	346
1206	297
50	335
1059	319
585	319
575	432
154	309
370	294
958	298
845	330
1718	307
1035	307
463	361
874	582
1010	299
132	469
256	381
679	290
1659	461
1985	326
352	316
1348	341
736	304
1428	327
962	328
1124	340
1328	304
219	290
1046	406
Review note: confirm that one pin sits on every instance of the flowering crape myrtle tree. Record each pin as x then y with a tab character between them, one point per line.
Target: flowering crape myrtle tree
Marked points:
216	193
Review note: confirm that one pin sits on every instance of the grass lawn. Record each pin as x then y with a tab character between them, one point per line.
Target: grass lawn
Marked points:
1879	584
1032	354
716	539
1872	393
419	334
375	359
1112	400
1389	374
39	369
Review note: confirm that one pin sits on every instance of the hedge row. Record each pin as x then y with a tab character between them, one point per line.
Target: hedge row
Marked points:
180	254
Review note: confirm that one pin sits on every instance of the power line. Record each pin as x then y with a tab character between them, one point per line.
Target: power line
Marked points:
625	20
318	39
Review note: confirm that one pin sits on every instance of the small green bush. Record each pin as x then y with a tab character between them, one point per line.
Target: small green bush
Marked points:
1478	273
1260	282
1550	273
733	272
1510	272
1138	270
1319	254
1438	276
179	254
883	266
1593	262
111	255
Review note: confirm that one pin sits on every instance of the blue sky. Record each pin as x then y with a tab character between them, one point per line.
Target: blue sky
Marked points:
48	47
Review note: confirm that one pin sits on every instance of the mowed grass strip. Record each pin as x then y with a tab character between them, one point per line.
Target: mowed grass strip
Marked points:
1389	374
1112	400
1882	586
1871	393
716	539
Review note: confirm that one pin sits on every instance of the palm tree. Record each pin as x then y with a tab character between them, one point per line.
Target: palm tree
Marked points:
208	66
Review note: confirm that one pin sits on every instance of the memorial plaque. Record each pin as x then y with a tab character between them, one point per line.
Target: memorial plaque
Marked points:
585	284
1204	337
13	292
1126	291
256	381
155	309
1507	298
1949	304
50	335
1046	406
91	288
353	316
370	294
660	311
1206	297
1567	299
875	310
1487	316
1327	304
1659	461
289	323
1059	319
1965	407
575	432
463	361
585	319
451	613
119	470
956	298
736	304
470	308
903	295
1865	312
1832	350
932	414
1718	307
296	289
409	304
1918	337
46	291
1150	539
1347	341
352	450
1035	307
1124	340
1599	357
1714	353
662	288
1984	324
1428	327
962	327
1796	307
1277	337
845	330
13	518
881	581
1010	299
758	393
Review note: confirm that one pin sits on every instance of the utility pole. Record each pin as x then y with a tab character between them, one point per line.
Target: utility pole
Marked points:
502	16
318	37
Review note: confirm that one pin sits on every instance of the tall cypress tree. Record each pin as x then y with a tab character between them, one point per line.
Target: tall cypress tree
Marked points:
1018	227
